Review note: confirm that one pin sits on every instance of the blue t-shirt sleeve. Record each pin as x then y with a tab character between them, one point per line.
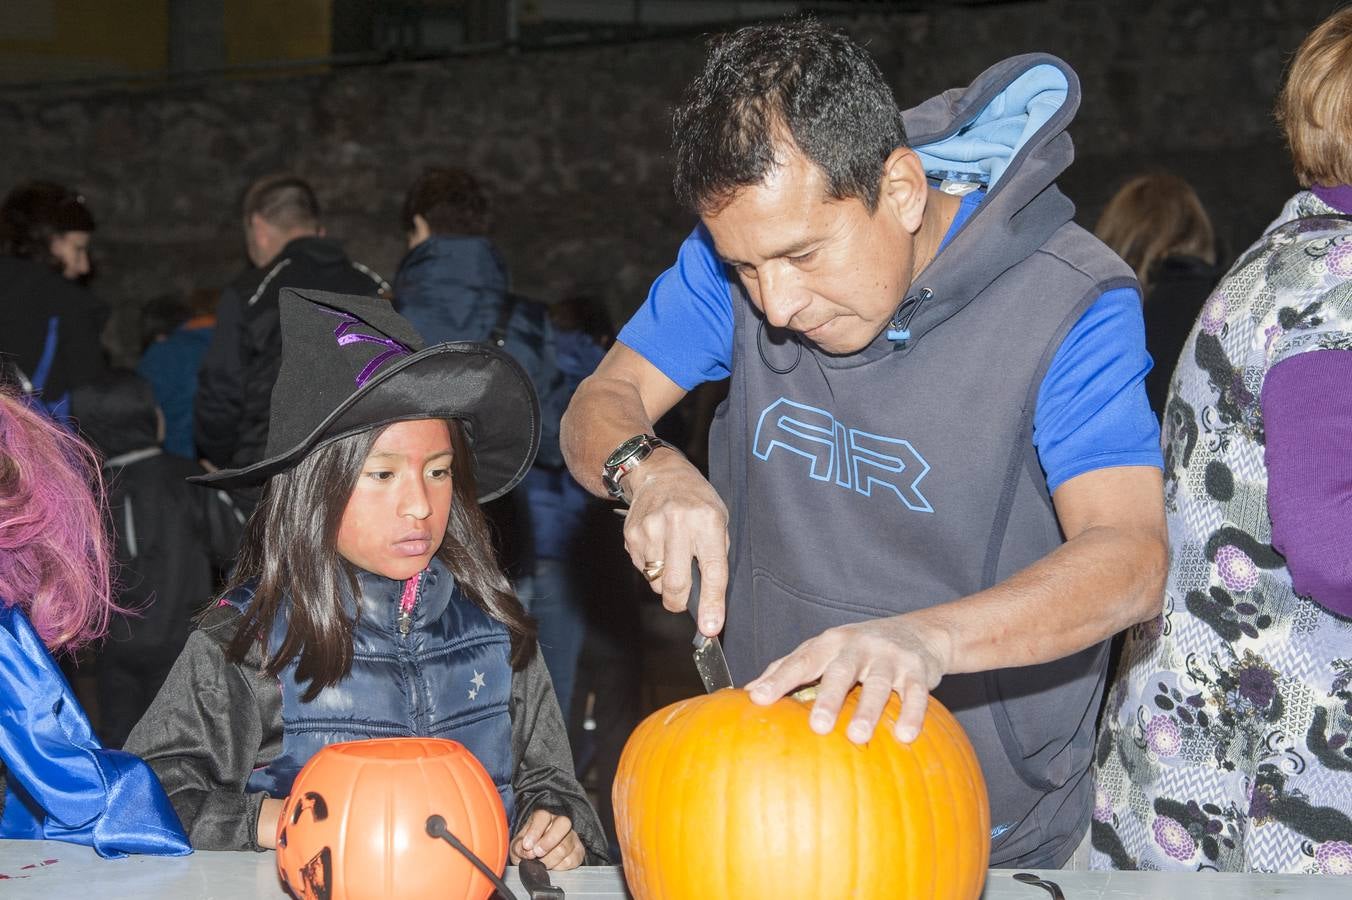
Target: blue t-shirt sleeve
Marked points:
685	326
1092	411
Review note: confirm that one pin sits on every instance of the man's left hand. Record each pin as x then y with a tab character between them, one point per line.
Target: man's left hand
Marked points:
897	655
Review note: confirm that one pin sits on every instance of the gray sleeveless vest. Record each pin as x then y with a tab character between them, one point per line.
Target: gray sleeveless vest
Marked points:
904	475
897	479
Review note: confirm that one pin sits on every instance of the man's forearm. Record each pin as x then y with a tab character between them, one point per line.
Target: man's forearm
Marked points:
623	397
603	413
1093	586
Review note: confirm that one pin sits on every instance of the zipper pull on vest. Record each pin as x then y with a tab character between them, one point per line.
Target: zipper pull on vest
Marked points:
899	329
406	601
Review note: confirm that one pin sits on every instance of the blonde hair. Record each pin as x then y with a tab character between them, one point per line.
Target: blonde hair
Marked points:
1154	216
1315	105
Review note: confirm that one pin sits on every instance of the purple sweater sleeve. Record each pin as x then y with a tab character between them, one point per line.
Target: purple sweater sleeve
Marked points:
1307	415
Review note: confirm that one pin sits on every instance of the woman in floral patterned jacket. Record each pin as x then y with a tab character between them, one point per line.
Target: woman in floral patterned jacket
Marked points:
1226	735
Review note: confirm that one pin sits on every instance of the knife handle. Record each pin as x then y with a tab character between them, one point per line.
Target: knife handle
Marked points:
535	879
692	604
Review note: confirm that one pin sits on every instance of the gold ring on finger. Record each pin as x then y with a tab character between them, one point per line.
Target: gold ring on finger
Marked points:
653	570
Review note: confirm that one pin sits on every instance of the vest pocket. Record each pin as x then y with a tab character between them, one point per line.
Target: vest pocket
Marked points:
1045	716
1032	728
785	617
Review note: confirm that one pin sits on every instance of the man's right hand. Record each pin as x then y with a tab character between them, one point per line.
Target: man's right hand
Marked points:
676	516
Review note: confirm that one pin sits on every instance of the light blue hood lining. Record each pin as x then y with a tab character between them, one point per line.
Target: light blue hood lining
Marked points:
983	148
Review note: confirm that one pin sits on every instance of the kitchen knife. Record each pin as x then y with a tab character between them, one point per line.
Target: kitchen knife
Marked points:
710	662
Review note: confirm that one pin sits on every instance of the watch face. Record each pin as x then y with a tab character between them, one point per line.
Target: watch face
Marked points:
626	450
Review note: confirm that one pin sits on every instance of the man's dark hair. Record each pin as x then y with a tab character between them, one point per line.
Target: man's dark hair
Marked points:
765	86
282	200
451	200
35	212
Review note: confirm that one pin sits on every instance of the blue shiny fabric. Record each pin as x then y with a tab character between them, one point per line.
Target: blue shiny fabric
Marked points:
60	784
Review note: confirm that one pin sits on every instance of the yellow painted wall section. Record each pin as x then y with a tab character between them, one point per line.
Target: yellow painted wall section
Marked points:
277	30
44	40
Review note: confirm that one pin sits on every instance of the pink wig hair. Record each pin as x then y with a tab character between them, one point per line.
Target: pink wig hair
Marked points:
55	550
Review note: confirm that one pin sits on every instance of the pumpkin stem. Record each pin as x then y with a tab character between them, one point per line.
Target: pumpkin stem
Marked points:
805	694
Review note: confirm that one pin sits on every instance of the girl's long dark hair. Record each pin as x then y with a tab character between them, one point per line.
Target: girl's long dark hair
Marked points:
291	547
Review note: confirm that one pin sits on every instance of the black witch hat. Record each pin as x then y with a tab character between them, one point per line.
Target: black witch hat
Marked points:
352	363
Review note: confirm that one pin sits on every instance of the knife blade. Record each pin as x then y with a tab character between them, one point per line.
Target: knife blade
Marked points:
710	662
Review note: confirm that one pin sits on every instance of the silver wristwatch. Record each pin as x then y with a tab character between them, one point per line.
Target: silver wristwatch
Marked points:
625	457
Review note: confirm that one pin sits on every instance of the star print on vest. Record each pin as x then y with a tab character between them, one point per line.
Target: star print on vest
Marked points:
478	682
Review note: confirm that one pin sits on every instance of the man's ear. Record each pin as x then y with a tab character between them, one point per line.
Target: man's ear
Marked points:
259	236
903	190
421	231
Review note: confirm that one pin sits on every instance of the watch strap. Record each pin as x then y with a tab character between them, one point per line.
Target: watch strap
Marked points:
612	474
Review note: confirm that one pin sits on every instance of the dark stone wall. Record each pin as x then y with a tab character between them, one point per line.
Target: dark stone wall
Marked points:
573	142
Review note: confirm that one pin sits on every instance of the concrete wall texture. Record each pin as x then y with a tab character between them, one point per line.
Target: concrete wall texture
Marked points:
573	142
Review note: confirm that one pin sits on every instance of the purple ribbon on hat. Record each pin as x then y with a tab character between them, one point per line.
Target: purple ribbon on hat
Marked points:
395	348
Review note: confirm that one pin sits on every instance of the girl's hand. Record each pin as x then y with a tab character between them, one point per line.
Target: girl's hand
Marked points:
550	838
268	814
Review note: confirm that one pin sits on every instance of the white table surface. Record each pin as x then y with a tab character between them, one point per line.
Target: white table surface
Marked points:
49	870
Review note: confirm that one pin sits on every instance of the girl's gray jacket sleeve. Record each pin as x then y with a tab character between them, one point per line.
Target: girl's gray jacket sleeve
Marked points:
210	724
214	721
542	773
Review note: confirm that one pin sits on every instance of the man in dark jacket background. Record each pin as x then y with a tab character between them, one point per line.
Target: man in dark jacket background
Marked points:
288	248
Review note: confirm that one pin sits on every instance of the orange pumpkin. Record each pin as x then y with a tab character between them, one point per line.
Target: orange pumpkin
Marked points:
717	798
355	824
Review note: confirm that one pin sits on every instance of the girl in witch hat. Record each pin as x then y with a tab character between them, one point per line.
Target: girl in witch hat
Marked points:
366	601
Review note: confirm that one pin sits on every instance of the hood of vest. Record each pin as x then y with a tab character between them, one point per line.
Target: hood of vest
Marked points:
1007	132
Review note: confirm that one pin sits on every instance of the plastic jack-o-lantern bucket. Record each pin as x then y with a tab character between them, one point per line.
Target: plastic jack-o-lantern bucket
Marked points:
380	818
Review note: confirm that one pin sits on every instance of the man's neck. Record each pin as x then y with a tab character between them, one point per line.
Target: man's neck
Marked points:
282	241
940	210
286	239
